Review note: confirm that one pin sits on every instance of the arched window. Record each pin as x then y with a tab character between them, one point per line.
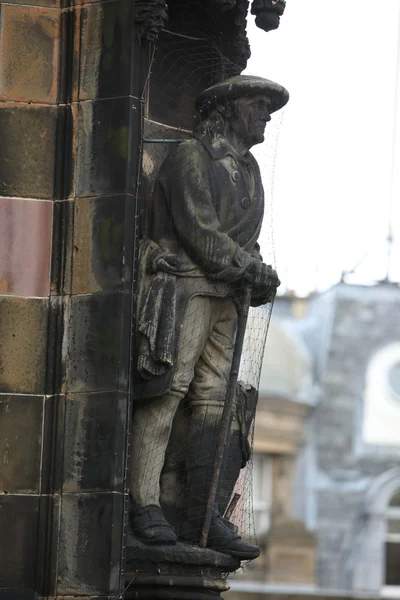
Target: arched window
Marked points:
393	541
381	419
377	547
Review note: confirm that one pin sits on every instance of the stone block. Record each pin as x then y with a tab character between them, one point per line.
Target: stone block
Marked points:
105	50
94	442
20	443
103	147
30	53
19	535
42	3
99	243
25	247
97	358
28	150
90	544
23	341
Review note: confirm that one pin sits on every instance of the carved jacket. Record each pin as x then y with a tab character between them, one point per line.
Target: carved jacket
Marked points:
207	209
205	217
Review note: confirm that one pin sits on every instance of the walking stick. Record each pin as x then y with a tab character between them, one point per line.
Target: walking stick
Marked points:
243	312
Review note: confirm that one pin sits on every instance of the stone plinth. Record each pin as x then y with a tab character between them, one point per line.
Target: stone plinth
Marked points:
181	572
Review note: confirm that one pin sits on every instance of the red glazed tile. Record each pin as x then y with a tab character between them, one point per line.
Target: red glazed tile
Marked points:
25	247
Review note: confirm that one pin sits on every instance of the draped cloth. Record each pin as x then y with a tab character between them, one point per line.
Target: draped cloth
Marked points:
156	317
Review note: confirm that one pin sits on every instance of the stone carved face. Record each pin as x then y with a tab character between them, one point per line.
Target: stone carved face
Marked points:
252	118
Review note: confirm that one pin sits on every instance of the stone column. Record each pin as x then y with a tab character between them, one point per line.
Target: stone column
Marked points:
69	150
71	81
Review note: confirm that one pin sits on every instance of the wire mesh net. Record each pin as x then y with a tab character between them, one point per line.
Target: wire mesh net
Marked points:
205	204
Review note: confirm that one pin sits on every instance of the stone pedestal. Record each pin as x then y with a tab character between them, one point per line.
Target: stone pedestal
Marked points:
181	572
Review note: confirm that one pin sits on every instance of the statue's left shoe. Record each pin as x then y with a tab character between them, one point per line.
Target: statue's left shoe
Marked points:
223	537
151	527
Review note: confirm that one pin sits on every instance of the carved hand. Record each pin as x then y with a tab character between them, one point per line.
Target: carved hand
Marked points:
261	275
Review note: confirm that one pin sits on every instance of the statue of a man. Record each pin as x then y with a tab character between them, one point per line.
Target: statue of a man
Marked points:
200	250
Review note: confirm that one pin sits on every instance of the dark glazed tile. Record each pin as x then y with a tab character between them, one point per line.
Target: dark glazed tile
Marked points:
94	442
23	341
98	263
182	69
97	350
103	146
27	150
19	535
90	544
105	56
20	443
25	247
30	47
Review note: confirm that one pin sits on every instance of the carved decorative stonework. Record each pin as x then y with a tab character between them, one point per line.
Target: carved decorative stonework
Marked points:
231	22
226	20
234	43
268	13
222	5
150	17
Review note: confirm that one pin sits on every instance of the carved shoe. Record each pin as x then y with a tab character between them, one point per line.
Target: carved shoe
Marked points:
151	527
223	537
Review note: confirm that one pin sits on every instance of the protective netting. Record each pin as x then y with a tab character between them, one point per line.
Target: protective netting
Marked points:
203	216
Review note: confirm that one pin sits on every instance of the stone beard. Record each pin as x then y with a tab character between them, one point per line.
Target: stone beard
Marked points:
200	250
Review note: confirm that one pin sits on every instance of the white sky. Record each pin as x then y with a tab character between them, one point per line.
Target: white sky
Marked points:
334	160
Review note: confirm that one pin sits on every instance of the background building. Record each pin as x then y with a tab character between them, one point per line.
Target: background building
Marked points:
327	448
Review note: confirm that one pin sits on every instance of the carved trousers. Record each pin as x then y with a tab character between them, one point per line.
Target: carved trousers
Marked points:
201	376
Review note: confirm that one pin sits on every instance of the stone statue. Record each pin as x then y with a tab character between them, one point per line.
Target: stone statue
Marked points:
200	250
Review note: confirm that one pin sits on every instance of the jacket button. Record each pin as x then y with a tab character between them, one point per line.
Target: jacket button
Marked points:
245	203
236	176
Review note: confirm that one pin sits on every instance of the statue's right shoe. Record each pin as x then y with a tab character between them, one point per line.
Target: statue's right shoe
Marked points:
151	527
223	537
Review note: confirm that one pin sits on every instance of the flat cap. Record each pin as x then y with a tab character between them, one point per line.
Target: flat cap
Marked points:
241	85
